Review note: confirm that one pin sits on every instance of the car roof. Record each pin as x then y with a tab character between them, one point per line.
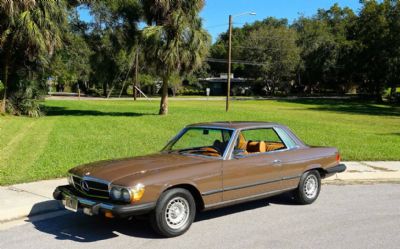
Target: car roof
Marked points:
235	124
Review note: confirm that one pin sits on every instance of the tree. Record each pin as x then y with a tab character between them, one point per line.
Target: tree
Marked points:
113	38
392	14
274	51
318	51
30	31
175	41
71	64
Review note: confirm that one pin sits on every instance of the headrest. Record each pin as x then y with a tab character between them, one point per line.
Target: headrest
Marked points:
256	146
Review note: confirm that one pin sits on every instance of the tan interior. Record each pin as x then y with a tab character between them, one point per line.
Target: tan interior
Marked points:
271	146
257	147
242	143
210	152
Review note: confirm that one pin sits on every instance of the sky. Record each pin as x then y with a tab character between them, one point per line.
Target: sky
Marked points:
215	13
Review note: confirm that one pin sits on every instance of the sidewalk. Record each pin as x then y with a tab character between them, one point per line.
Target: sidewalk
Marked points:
30	199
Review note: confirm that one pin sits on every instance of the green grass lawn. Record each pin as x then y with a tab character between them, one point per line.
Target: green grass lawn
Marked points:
76	132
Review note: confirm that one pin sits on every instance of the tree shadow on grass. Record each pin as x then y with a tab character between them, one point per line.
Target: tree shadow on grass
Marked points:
362	107
82	228
62	111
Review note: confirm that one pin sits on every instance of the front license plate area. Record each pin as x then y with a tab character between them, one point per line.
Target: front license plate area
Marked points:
71	204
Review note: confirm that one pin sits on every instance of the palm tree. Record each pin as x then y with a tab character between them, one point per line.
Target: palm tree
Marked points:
31	26
175	41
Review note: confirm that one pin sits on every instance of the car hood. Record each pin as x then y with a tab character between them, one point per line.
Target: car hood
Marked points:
113	170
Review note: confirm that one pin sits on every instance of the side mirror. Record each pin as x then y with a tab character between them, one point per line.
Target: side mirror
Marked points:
237	153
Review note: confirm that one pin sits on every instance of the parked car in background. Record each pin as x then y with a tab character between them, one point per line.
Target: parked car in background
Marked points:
206	166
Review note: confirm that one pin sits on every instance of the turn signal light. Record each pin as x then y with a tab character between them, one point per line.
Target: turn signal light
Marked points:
137	192
338	157
108	214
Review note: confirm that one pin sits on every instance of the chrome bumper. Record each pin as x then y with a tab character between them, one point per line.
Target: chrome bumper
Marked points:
99	207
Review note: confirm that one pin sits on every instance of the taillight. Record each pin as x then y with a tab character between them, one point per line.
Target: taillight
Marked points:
338	157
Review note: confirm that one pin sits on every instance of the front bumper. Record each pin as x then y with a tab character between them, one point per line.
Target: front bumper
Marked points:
97	207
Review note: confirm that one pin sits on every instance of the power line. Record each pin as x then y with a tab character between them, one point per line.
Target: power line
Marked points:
254	63
263	49
216	26
244	62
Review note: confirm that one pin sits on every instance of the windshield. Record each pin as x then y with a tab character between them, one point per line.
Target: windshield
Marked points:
201	141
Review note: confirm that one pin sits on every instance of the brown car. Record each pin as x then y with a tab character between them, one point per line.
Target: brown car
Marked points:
206	166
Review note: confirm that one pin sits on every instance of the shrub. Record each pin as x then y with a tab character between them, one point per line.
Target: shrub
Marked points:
190	91
24	100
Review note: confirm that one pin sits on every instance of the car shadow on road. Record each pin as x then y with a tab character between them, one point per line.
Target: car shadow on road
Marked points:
82	228
282	199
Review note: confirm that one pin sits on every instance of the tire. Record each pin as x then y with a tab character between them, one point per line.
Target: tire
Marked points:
174	213
309	187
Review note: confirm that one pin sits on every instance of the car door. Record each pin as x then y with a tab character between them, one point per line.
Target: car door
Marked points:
254	170
292	159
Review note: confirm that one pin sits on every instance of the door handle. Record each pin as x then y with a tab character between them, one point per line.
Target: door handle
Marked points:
277	162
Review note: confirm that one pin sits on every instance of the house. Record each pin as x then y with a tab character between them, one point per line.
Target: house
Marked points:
218	85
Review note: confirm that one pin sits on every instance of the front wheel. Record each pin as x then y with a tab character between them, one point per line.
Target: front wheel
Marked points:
174	213
309	187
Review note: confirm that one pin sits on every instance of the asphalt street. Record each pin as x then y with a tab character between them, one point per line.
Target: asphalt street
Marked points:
349	216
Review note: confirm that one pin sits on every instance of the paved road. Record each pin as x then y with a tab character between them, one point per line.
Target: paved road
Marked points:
352	216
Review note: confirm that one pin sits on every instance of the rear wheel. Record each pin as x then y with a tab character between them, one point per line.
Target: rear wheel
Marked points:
309	187
174	213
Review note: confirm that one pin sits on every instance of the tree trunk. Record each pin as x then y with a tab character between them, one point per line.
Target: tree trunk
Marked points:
5	81
392	93
378	95
164	97
105	88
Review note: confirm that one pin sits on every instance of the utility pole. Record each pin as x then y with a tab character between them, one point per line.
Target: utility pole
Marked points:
135	82
228	91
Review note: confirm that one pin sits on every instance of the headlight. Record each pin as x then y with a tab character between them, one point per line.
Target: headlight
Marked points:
116	193
127	194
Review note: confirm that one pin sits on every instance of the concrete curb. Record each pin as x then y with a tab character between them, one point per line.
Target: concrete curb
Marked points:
31	199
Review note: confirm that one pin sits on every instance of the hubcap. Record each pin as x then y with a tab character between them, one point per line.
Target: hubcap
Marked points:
177	212
311	186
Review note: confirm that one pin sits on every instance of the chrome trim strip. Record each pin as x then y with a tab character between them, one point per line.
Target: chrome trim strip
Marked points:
242	199
210	127
211	192
198	155
229	148
215	191
291	177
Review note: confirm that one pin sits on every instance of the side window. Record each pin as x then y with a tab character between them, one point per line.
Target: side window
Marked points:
259	140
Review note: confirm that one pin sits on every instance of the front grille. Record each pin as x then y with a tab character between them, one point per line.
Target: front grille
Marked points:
91	188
